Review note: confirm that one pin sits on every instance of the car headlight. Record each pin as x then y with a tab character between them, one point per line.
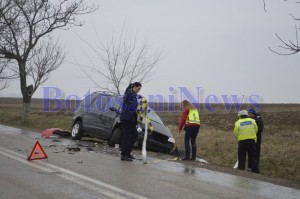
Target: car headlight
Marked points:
172	140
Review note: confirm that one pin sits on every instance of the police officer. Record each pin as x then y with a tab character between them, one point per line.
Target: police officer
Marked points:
245	130
190	119
128	118
260	125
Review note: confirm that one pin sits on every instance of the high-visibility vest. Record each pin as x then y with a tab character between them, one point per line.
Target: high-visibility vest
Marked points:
193	117
245	128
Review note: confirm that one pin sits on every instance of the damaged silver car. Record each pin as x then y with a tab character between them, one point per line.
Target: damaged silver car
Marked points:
99	116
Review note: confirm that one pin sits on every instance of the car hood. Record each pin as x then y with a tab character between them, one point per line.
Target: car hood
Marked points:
160	128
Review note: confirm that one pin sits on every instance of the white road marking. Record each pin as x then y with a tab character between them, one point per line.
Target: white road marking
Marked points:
93	184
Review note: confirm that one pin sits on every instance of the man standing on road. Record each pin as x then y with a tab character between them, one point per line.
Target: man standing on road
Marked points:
260	125
245	130
128	118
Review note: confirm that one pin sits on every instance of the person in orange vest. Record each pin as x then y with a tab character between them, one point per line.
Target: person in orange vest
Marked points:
191	121
245	130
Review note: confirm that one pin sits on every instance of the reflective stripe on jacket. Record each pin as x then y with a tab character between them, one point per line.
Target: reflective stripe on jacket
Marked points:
245	129
193	117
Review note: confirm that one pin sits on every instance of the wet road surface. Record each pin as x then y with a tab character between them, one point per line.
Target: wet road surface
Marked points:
97	172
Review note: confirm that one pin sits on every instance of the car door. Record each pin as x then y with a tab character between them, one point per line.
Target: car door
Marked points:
91	119
110	112
100	110
88	106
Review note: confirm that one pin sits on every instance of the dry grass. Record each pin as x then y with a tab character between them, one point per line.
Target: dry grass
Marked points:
280	150
215	146
280	153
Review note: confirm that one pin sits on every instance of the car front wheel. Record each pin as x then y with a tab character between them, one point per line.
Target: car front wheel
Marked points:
115	138
77	132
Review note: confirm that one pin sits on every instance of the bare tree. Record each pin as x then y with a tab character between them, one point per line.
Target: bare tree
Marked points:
289	47
3	76
26	28
123	60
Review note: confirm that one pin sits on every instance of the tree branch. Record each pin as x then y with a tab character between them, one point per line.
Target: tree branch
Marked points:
264	5
293	47
122	60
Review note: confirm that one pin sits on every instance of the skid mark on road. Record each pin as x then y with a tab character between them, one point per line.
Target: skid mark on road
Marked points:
93	184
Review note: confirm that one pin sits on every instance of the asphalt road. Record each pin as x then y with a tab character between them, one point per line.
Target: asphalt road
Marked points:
90	173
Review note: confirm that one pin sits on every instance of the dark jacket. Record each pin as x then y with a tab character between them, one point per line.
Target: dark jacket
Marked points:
129	106
260	126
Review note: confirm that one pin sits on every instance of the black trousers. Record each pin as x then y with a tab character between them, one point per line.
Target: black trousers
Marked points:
247	147
129	137
191	133
258	144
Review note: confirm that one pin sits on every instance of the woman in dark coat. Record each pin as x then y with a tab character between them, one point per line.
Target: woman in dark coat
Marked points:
128	118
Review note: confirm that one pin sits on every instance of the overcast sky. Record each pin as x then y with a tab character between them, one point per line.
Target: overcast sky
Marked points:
220	46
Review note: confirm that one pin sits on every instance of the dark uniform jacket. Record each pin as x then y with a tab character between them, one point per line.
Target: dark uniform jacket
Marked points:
130	104
260	126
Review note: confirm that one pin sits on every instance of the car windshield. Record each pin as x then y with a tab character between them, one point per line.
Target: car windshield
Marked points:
154	117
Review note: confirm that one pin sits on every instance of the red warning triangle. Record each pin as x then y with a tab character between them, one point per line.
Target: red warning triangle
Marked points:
37	152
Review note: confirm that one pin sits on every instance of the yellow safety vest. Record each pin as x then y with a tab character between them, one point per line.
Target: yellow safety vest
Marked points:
193	117
245	129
